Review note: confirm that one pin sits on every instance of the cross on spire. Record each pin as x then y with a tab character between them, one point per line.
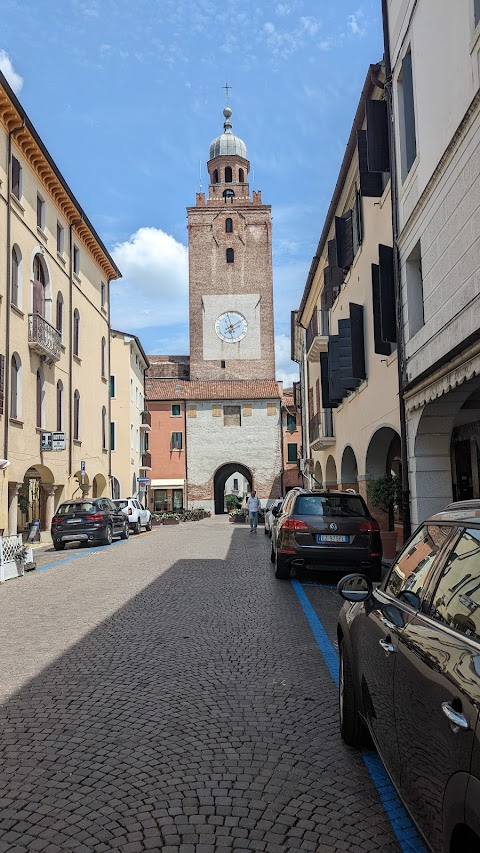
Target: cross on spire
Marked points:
227	88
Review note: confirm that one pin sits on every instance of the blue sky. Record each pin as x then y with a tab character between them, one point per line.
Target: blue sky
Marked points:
127	97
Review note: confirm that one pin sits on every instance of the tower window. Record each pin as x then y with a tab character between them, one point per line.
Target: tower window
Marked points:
230	256
222	364
228	194
228	225
241	176
215	176
228	174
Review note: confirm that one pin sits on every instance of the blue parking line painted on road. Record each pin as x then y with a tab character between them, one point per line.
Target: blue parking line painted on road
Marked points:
77	556
404	829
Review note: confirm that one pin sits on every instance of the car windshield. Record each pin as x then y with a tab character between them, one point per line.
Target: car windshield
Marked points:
68	509
342	505
121	504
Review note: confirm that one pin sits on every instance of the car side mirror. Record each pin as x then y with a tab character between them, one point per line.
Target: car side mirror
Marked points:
355	588
275	510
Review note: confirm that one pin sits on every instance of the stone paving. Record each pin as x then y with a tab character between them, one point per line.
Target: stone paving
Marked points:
166	694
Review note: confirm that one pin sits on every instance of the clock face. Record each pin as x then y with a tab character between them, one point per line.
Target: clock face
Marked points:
231	326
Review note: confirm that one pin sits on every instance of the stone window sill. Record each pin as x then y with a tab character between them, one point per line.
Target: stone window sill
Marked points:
77	358
17	203
77	442
16	310
16	422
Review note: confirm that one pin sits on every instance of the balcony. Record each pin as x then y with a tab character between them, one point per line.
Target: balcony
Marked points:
146	423
43	338
146	463
325	436
317	335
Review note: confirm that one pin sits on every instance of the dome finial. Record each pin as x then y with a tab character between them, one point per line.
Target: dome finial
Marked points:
227	112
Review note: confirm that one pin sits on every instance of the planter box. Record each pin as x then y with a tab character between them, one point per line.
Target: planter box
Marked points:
238	519
170	521
156	521
389	543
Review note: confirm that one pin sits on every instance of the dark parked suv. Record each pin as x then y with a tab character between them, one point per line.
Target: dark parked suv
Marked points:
410	675
325	530
88	521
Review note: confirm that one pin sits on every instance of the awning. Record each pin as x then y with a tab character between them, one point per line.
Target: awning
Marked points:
167	484
440	385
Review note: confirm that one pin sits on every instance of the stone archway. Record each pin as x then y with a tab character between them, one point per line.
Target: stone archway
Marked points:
221	476
331	476
99	486
349	469
33	500
318	476
383	457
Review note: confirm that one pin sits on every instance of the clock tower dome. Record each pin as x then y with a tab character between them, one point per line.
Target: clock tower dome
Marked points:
230	270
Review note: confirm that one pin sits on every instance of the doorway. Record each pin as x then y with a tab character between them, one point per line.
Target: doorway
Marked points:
221	477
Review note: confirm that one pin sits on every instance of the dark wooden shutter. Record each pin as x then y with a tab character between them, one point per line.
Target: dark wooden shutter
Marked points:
332	253
327	402
348	380
39	399
371	183
358	343
387	294
344	240
380	347
2	382
336	392
378	155
38	298
409	111
15	177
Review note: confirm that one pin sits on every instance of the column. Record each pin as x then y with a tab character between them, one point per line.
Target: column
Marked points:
85	490
49	490
13	490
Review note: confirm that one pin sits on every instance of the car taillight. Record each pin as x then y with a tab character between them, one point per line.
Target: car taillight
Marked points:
95	516
294	524
57	519
369	527
129	510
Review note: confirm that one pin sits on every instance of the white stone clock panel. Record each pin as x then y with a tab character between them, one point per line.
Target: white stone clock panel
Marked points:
213	307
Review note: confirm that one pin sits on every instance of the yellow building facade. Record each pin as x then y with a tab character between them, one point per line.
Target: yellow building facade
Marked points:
54	334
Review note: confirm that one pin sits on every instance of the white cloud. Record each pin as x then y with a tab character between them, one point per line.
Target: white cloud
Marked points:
154	287
287	370
356	24
13	78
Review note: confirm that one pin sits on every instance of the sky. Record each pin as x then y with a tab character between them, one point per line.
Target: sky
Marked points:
127	97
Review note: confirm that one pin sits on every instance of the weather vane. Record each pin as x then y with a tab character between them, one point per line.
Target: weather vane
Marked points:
227	88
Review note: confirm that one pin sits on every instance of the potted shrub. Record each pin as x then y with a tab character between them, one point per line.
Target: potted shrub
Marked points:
156	518
386	493
237	516
170	518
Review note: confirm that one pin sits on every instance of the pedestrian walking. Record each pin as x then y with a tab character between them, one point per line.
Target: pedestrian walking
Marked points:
253	505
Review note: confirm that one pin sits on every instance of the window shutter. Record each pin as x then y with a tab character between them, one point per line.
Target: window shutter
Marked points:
387	294
247	410
336	391
216	410
344	240
409	111
378	155
15	177
191	411
324	382
2	382
380	347
358	342
271	409
371	183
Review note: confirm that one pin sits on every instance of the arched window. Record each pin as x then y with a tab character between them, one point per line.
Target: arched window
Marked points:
16	262
104	428
59	314
229	256
76	415
104	347
76	332
40	393
228	174
241	176
228	194
39	284
15	386
59	406
215	176
228	225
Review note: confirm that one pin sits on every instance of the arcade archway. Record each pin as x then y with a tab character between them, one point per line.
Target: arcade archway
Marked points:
221	477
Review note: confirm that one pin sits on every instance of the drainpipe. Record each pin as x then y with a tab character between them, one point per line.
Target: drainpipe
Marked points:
6	401
401	365
70	348
186	465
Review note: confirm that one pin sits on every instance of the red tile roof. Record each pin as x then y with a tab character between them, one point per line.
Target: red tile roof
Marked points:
249	389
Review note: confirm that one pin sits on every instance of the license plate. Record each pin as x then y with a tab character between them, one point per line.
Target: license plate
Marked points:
74	520
330	537
76	538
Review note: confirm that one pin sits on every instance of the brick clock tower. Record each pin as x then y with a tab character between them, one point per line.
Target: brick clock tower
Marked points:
230	270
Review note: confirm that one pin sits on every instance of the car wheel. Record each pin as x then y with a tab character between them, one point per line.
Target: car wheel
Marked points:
59	546
282	569
352	729
272	555
138	527
107	539
126	531
149	525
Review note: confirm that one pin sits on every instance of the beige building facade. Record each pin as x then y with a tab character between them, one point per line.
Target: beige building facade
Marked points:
54	330
130	422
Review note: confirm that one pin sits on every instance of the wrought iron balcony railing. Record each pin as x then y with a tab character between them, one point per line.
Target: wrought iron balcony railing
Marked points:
43	338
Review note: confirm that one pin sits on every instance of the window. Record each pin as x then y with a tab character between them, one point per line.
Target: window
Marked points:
228	194
76	332
176	443
16	261
16	178
132	436
103	357
40	391
235	484
103	294
476	12
59	406
76	260
40	212
333	505
59	314
76	415
291	422
456	601
215	176
112	435
175	410
15	389
39	285
231	416
415	305
131	391
292	453
222	364
409	573
408	136
104	428
112	387
241	176
229	225
230	256
228	175
60	239
357	223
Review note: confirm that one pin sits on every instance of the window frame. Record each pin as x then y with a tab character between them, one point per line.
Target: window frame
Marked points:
437	575
59	303
76	260
229	225
16	289
59	405
230	255
289	445
113	436
40	212
76	333
76	415
114	384
173	406
60	238
174	444
16	180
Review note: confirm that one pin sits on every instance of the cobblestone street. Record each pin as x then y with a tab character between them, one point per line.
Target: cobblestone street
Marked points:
168	694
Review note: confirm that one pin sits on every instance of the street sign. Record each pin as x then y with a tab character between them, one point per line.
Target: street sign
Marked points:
82	467
58	441
45	441
144	480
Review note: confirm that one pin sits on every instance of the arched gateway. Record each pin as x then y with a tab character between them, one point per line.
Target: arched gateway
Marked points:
221	477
